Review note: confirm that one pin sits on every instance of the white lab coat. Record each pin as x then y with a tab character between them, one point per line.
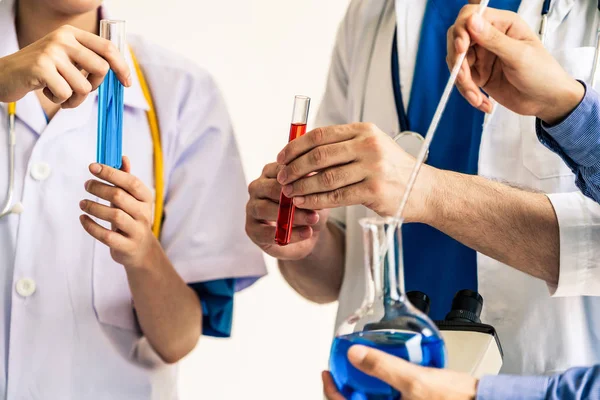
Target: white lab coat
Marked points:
75	336
542	329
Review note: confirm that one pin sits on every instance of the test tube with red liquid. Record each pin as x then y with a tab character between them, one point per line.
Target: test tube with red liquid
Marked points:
285	215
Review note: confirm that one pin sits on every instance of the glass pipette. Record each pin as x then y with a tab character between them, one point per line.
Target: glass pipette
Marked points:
428	138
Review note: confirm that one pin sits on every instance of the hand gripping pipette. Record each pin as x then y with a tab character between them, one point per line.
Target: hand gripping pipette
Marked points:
428	138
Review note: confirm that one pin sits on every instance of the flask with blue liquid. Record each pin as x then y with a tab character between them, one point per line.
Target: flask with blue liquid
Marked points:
386	321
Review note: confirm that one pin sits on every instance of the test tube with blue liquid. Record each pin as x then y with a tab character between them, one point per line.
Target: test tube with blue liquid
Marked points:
110	102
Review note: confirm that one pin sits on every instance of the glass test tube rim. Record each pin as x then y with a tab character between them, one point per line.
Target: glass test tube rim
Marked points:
114	30
301	109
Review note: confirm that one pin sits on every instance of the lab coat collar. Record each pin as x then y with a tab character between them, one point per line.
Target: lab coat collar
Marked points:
29	109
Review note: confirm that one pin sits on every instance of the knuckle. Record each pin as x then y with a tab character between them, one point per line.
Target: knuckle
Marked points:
319	155
107	237
118	216
103	67
336	196
135	184
294	169
329	178
317	136
117	196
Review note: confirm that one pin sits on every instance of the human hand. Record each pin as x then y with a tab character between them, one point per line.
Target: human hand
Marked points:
261	217
412	381
503	58
131	240
67	64
357	164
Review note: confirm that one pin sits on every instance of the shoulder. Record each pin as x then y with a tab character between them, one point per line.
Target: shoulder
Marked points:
171	73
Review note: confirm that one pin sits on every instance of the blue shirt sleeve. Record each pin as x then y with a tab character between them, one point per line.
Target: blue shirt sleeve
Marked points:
216	298
577	141
574	384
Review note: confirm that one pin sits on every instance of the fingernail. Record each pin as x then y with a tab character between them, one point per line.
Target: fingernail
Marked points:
95	168
312	219
129	80
305	233
299	201
82	204
357	353
477	23
282	176
287	190
281	157
87	185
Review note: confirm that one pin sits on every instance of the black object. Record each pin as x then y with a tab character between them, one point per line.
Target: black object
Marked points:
420	300
466	307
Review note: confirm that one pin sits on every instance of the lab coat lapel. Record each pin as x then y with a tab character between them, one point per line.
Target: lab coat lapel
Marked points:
379	106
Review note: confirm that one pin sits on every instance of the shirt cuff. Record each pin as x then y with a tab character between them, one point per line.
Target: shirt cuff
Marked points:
503	387
216	298
579	230
574	135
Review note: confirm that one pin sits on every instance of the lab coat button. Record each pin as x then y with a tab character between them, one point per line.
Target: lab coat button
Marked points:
40	171
25	287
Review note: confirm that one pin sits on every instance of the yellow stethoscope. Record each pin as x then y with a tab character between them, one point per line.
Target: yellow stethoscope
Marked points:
9	208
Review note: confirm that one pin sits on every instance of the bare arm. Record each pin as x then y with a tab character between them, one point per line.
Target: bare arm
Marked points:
318	277
516	227
169	312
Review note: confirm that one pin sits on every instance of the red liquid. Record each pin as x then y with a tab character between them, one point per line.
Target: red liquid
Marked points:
285	215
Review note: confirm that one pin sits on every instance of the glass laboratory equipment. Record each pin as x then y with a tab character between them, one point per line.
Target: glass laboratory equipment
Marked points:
285	214
386	320
109	149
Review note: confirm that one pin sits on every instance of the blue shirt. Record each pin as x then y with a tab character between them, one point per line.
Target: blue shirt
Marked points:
574	384
577	141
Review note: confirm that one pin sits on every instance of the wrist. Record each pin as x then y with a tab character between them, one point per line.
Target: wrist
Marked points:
429	186
569	98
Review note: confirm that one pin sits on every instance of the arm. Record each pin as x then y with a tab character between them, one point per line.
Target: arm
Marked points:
319	284
168	311
514	226
577	140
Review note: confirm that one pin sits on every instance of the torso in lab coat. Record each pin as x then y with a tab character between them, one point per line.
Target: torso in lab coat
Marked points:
540	333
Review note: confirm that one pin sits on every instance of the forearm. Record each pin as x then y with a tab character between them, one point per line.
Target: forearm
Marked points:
318	277
513	226
168	311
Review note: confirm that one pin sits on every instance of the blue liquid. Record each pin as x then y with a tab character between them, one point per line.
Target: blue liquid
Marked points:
355	385
110	122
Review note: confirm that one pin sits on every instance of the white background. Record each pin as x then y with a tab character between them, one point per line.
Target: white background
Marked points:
262	53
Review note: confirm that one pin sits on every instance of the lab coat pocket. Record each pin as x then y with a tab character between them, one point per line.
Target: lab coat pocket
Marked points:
540	161
112	296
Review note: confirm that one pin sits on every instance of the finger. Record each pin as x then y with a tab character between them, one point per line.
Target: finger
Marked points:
262	234
271	170
108	51
112	239
130	183
118	198
57	90
80	86
265	188
126	164
489	37
392	370
315	160
117	217
96	66
346	196
329	389
266	210
327	180
315	138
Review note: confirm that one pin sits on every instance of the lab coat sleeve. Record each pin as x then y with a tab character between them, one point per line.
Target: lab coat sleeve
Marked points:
203	232
579	230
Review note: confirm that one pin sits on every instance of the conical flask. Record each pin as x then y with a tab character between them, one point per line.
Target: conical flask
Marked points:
386	320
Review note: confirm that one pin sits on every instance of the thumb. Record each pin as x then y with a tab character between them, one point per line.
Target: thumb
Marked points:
487	36
392	370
